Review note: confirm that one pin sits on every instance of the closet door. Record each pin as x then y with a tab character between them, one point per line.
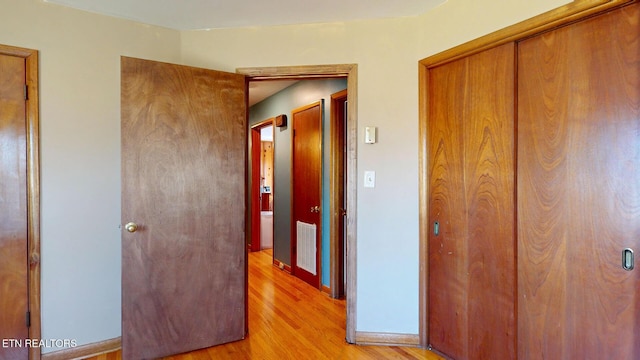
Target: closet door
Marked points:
471	206
579	190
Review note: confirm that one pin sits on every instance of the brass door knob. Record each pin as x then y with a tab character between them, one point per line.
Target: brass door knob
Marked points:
131	227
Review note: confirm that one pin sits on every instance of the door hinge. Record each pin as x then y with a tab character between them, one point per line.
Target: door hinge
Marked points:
28	318
26	92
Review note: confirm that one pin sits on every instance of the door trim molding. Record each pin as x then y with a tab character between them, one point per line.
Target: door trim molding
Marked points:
33	186
350	71
571	12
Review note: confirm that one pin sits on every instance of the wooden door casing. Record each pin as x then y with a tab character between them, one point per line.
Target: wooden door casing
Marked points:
306	181
14	280
471	198
579	189
183	182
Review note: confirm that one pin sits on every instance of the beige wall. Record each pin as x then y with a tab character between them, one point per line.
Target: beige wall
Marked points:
80	153
80	140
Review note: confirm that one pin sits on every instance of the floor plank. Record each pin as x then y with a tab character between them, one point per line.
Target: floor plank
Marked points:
288	319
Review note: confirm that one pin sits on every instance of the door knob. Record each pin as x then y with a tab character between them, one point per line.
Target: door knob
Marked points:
131	227
315	209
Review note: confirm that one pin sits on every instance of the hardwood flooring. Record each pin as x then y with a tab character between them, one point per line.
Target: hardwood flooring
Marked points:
288	319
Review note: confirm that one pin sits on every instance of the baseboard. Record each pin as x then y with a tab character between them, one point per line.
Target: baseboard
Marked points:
325	289
387	339
281	265
85	351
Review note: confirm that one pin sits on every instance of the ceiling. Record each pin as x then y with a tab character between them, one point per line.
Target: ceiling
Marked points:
215	14
260	90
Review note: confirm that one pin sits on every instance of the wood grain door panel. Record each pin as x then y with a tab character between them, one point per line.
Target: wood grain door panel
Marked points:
337	190
579	189
471	197
183	183
13	207
448	284
307	180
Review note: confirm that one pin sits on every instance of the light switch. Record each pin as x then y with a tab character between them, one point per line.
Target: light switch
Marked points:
369	179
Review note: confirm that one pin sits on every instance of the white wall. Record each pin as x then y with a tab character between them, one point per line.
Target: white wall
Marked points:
80	156
80	140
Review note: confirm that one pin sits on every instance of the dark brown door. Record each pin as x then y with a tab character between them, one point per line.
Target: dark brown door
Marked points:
579	189
183	185
306	185
338	186
471	206
13	208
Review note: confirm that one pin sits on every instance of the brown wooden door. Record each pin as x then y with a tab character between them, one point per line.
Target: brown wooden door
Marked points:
13	209
471	206
183	184
579	190
306	185
338	195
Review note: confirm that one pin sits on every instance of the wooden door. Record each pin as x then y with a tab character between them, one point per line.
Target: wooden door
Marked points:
471	206
337	192
183	184
579	189
13	208
306	189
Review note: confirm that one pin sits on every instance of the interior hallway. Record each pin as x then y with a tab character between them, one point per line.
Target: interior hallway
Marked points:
288	319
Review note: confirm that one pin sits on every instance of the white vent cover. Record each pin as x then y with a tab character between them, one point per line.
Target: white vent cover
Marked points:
306	247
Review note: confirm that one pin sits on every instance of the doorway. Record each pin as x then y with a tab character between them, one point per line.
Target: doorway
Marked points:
348	71
262	147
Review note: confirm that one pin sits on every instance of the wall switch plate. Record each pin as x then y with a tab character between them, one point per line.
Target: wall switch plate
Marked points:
370	135
369	179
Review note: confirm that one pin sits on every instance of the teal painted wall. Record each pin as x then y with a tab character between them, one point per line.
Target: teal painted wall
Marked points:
300	94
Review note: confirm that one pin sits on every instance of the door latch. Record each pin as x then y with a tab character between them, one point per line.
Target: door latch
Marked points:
627	259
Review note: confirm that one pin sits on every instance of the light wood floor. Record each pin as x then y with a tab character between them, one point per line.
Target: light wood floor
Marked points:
289	319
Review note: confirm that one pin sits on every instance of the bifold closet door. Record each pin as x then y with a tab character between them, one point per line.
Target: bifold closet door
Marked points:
471	206
579	189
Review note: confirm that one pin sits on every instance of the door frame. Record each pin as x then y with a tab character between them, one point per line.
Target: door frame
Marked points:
574	11
350	72
255	225
32	123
